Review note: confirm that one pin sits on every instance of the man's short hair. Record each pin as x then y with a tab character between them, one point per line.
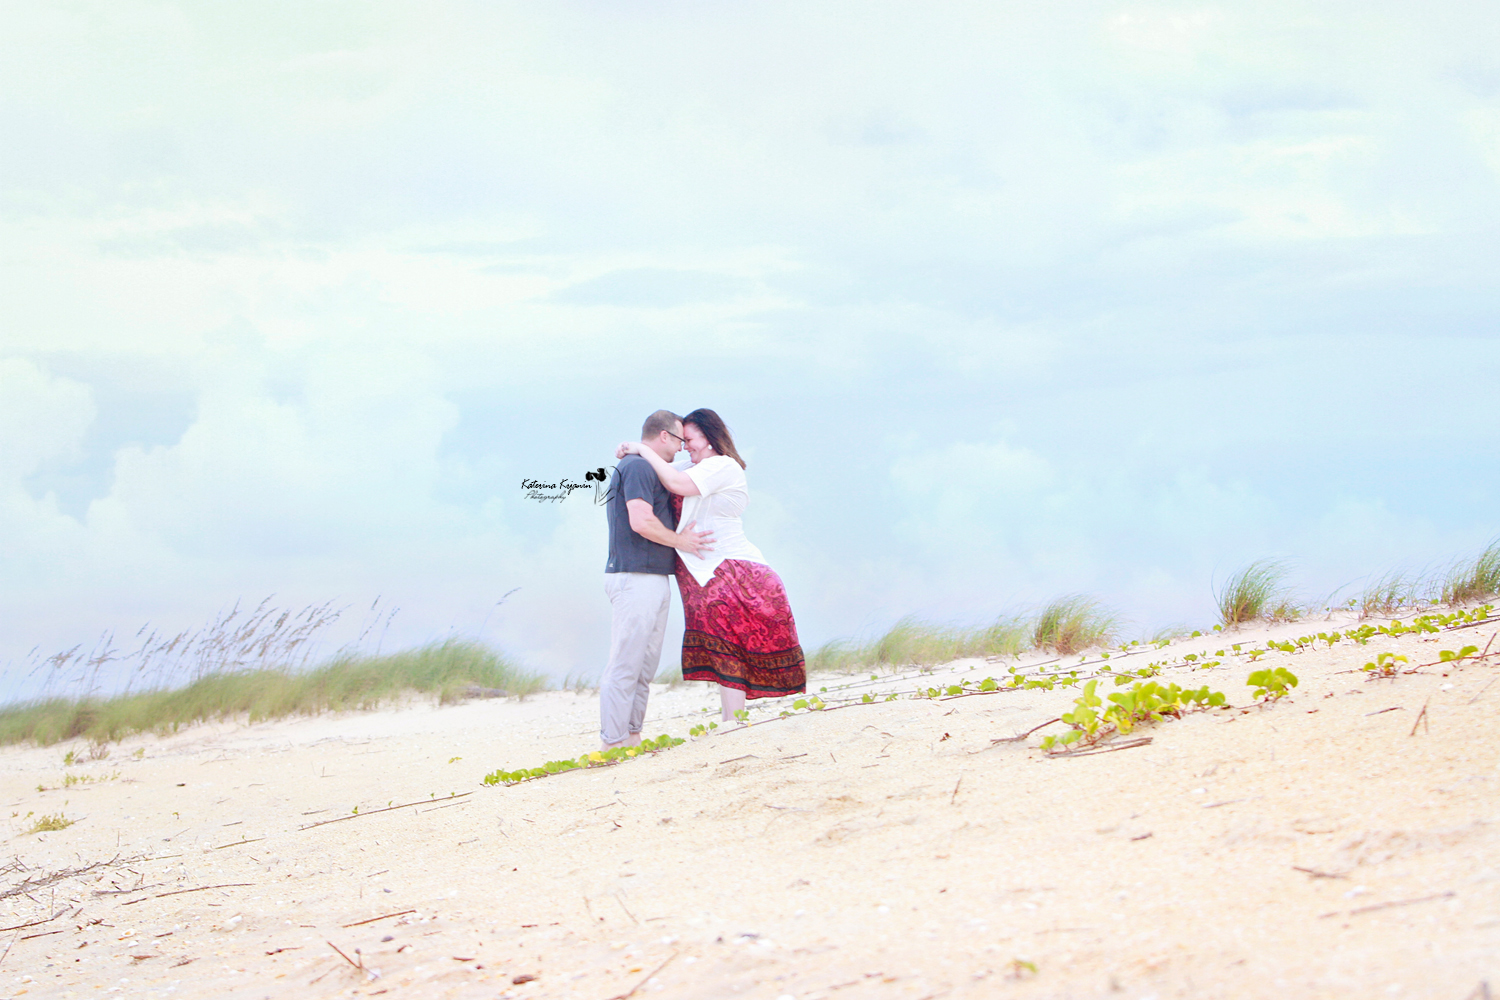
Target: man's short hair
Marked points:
661	420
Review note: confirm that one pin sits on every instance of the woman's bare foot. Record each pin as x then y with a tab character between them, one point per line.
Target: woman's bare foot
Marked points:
730	701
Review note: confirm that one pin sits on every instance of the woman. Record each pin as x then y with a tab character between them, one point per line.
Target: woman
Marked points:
740	631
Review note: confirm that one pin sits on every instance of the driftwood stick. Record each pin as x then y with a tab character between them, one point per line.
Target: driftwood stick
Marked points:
126	892
1317	874
1399	902
179	892
1111	749
1386	906
27	885
1487	646
357	965
372	812
9	946
649	976
626	909
1482	621
37	923
387	916
1021	736
1421	718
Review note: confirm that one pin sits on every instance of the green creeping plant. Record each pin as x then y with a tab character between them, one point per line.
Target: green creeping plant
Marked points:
1256	654
1271	684
1091	719
598	758
1385	665
742	715
1449	656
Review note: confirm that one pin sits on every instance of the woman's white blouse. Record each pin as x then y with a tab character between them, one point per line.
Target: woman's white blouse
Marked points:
722	497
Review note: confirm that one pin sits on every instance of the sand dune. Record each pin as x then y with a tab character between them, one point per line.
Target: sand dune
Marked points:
1326	846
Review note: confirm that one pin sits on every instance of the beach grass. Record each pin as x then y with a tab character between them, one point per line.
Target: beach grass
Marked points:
1389	593
1468	581
914	642
446	669
1256	593
1073	623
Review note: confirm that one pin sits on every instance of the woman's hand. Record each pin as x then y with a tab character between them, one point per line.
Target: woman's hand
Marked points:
629	448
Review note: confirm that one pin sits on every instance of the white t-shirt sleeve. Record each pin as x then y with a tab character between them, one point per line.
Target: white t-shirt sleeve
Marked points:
715	474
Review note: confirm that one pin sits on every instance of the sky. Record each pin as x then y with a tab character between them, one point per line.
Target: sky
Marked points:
1002	301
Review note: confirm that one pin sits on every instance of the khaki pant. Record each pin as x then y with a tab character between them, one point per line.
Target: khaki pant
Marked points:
637	626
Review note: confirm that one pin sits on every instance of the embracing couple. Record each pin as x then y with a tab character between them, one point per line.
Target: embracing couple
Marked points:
739	630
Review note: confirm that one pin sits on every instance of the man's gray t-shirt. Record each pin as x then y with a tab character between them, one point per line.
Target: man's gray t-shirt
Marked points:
634	479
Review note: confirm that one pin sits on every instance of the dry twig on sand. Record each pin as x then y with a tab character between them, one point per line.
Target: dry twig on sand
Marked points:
649	976
1128	745
1386	906
373	812
386	916
358	965
31	885
1019	736
1317	874
1421	719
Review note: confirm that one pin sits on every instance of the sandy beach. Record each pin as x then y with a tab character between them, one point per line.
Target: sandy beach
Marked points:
1339	843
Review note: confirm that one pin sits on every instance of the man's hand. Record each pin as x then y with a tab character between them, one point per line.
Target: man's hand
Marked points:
644	522
699	543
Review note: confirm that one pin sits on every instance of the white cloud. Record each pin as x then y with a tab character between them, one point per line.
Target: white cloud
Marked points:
42	419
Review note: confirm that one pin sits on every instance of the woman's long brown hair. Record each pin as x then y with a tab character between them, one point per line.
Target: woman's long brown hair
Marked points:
712	426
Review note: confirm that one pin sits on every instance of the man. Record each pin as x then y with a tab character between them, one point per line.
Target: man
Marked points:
642	540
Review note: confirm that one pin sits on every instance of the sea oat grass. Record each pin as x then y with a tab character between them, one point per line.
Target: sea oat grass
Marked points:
1255	593
1389	593
913	642
1469	581
351	682
1073	623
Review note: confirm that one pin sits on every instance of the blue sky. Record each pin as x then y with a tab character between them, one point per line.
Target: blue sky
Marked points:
1001	302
